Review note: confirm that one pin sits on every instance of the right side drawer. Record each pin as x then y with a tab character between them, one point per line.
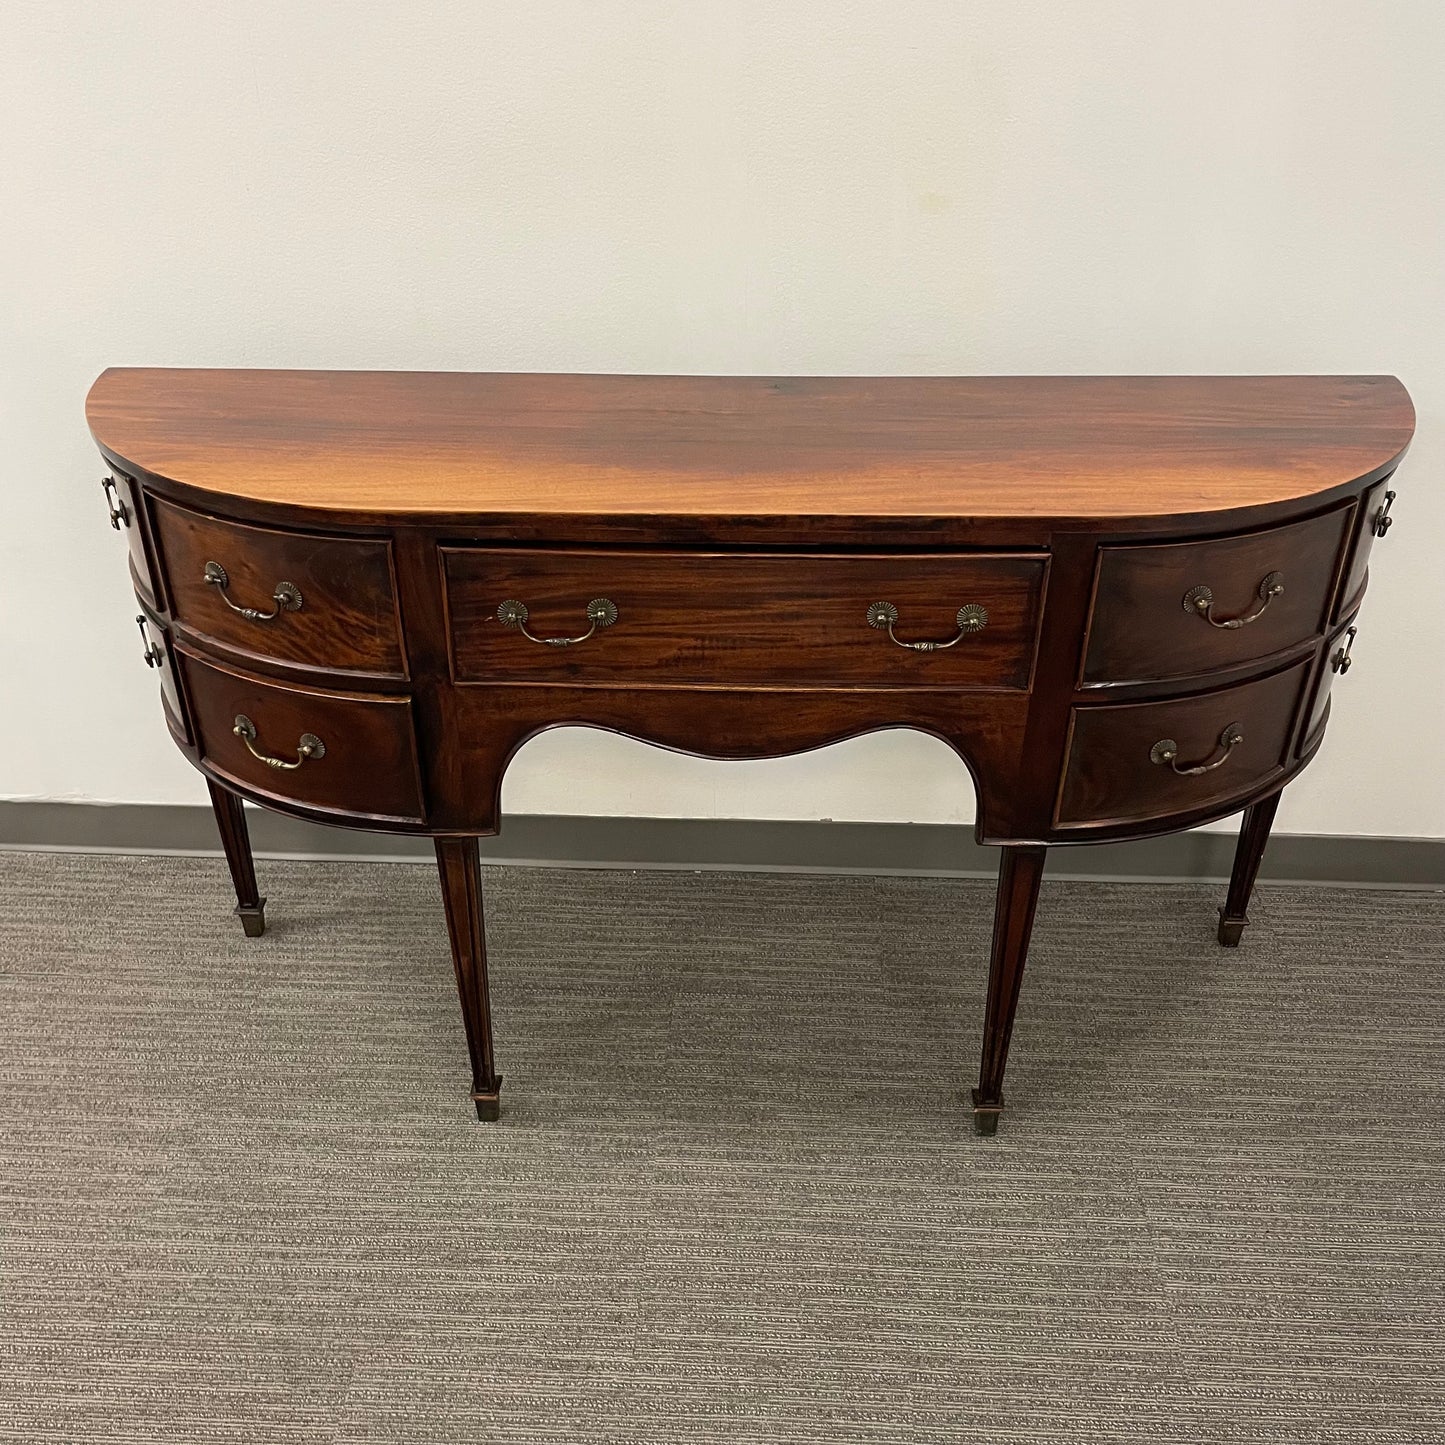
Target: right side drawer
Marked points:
1336	660
1265	591
1374	521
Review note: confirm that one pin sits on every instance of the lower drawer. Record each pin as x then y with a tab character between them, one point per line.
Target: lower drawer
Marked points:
333	751
1133	762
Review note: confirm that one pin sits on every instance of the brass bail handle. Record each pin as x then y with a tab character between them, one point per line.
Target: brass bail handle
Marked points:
152	654
1380	523
1341	660
287	595
601	612
1166	753
119	512
1199	602
970	618
309	746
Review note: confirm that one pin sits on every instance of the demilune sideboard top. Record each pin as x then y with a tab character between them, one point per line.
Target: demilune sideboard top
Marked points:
1122	601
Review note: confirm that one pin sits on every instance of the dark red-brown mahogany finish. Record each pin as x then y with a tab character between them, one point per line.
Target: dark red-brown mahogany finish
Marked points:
1120	600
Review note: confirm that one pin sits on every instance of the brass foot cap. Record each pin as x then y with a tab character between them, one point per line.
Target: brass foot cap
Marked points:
489	1102
1230	929
253	920
985	1113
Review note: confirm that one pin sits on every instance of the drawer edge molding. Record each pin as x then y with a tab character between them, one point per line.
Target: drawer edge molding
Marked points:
290	674
1154	689
331	817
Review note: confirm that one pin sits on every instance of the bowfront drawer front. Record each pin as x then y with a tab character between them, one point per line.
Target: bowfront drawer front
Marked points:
1133	762
929	620
338	752
1178	609
123	499
1372	521
316	601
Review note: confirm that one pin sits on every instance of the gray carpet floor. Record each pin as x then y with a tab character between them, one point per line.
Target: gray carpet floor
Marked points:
734	1195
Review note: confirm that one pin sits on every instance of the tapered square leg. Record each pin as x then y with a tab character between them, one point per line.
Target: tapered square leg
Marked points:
236	843
459	865
1253	835
1021	870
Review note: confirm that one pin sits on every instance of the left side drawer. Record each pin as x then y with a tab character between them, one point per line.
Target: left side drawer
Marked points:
123	498
159	654
316	601
337	752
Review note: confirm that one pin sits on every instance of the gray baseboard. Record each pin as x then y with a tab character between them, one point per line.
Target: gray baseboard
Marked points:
742	844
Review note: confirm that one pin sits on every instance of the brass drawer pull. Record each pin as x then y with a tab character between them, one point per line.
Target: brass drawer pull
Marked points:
1166	750
310	745
601	612
120	513
153	655
1199	601
287	595
1381	521
1340	662
969	618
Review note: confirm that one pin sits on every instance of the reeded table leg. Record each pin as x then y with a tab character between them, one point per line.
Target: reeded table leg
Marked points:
236	841
1253	835
459	864
1020	872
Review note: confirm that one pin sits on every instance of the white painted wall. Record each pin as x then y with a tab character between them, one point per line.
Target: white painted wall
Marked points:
712	186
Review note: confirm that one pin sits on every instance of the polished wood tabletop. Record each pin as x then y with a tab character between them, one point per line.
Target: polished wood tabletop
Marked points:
926	447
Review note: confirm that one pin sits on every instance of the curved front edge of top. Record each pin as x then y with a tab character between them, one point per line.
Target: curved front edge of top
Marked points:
664	458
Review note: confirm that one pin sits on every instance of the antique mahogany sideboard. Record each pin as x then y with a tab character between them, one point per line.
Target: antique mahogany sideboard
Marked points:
1122	601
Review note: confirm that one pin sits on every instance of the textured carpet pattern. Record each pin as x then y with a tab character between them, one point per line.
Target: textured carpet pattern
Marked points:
734	1195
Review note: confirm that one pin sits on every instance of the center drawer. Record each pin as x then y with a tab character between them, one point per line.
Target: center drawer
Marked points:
684	618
